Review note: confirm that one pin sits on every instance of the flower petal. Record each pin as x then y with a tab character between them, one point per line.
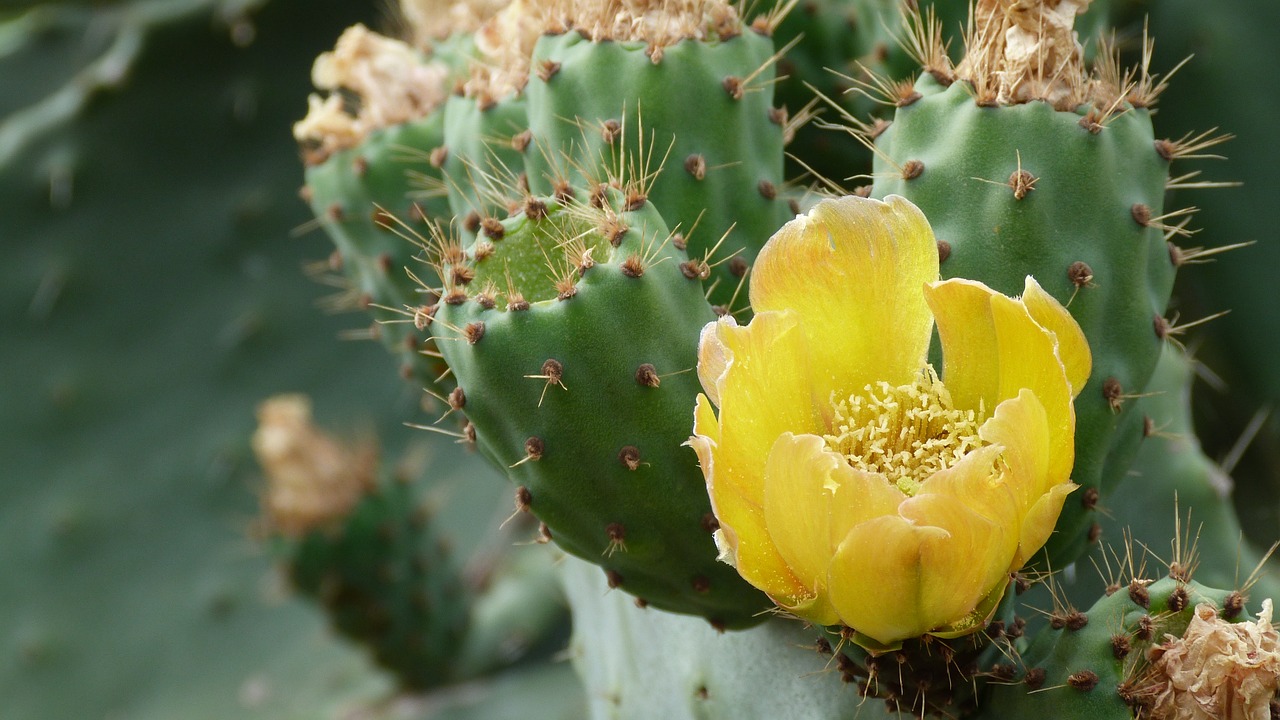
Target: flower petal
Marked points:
974	504
713	357
992	348
760	375
1073	347
764	390
876	577
1022	429
1028	359
852	270
812	496
962	309
1039	522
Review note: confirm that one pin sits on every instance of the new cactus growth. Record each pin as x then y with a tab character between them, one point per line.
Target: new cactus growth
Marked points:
682	103
570	329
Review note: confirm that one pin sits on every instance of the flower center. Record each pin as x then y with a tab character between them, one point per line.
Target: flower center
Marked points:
908	432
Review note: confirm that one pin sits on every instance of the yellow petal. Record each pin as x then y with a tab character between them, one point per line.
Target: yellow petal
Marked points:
764	391
797	501
852	270
976	507
812	497
1028	359
992	349
875	580
732	458
713	357
1022	429
1073	347
1039	522
962	309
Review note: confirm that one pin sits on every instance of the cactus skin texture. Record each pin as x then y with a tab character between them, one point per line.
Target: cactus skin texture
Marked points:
703	114
582	394
1090	664
387	581
484	161
1175	490
637	663
359	194
1075	223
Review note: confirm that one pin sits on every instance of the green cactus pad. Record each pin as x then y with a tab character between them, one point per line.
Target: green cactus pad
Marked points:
1091	664
638	663
387	582
484	158
360	195
700	112
579	383
1024	190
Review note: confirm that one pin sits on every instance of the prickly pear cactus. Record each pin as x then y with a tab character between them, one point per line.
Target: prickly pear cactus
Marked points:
362	546
570	330
1058	176
1112	661
686	115
638	662
602	179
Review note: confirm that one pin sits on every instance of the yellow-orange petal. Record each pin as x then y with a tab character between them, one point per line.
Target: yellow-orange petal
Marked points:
876	576
852	270
1073	347
812	497
742	537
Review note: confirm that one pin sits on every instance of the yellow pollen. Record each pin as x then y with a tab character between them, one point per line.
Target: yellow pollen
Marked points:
908	432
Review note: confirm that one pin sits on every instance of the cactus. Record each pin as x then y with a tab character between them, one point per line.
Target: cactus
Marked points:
366	547
361	545
595	324
1100	663
1177	493
501	195
1069	190
637	662
485	140
686	113
1045	170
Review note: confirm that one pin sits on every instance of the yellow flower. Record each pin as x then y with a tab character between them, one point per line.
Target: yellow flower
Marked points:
851	485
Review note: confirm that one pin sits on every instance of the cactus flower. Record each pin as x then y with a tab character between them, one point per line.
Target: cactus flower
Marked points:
850	482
